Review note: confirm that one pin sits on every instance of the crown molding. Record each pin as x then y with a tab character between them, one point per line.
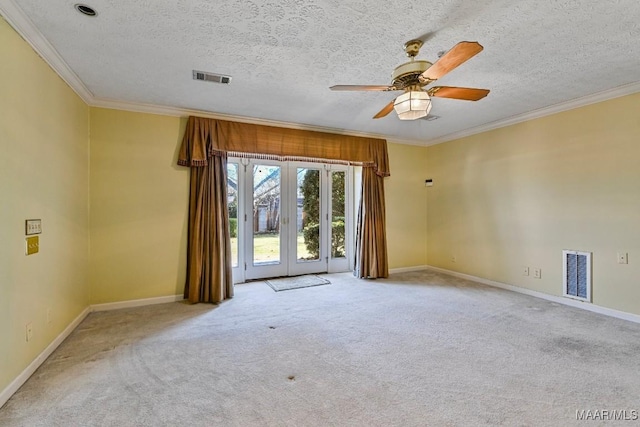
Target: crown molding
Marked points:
23	26
183	112
583	101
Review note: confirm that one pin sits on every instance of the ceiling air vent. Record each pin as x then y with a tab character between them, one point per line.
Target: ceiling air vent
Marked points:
211	77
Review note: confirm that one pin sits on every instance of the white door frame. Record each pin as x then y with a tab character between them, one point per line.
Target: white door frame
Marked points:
345	263
289	265
270	269
297	266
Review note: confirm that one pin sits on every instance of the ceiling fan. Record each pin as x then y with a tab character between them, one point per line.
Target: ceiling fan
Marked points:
412	77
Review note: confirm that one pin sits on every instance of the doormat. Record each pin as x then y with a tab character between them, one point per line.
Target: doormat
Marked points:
297	282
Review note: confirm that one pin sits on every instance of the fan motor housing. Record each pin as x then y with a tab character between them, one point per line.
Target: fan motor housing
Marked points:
407	74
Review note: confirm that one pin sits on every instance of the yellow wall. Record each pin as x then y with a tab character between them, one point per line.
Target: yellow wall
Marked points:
139	207
519	195
406	202
44	132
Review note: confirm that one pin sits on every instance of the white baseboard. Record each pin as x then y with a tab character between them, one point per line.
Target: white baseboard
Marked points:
24	375
136	303
560	300
408	269
35	364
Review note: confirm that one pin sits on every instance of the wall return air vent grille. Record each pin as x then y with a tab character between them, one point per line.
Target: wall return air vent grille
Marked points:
211	77
576	271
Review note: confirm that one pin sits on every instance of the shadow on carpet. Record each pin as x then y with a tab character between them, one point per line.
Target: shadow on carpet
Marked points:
297	282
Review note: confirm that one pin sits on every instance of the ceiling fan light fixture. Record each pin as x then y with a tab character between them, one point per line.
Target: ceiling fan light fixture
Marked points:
412	105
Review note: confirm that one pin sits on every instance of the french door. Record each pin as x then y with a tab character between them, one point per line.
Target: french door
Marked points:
289	218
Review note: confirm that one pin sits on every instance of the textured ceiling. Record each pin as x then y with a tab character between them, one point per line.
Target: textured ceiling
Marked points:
284	54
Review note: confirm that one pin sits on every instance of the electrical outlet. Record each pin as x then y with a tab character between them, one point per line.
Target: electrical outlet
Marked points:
29	331
453	258
48	316
537	273
623	258
525	271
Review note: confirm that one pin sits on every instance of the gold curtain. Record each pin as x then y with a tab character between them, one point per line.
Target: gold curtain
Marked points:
209	277
204	149
371	238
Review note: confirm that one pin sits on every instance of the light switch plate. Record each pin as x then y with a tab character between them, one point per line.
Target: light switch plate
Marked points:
33	226
32	245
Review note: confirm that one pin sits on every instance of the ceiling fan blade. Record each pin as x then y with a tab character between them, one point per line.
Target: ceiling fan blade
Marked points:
465	93
362	87
386	110
458	54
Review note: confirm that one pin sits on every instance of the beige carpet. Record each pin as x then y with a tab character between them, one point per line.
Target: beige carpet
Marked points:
419	349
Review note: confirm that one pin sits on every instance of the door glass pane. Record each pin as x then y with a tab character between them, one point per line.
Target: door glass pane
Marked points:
266	214
308	215
232	201
338	187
